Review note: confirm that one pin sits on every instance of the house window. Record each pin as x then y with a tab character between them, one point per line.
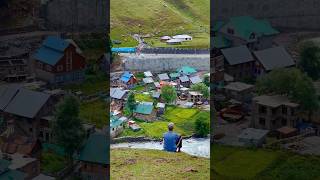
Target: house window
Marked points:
30	129
274	111
284	110
262	121
284	122
262	109
41	134
60	68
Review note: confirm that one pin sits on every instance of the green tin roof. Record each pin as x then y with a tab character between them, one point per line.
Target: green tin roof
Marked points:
220	41
186	70
218	25
96	149
13	175
144	108
244	26
174	75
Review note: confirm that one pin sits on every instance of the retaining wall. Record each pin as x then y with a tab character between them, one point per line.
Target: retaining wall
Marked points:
165	62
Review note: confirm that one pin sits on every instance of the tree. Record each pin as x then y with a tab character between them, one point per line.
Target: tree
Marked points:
202	88
131	103
168	93
202	127
292	83
310	60
68	128
206	80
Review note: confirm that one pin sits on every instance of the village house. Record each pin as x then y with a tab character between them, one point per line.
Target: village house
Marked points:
174	76
165	38
144	111
186	70
26	117
147	74
273	112
195	97
184	81
245	30
117	125
163	77
195	80
182	37
239	91
217	70
272	58
14	68
160	108
128	78
94	159
239	62
59	61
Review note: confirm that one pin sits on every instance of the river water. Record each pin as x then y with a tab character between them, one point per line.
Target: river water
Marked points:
193	146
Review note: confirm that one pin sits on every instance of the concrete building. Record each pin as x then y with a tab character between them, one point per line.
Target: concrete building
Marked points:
239	91
273	112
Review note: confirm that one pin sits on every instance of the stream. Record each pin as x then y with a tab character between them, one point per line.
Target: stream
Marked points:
193	146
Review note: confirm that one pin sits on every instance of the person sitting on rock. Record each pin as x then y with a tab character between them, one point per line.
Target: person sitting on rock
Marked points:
172	142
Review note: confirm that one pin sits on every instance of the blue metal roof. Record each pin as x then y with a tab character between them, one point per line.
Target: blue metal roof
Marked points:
56	43
52	50
126	76
48	56
124	50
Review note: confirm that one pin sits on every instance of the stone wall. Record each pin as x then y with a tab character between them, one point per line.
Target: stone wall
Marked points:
295	14
76	15
165	62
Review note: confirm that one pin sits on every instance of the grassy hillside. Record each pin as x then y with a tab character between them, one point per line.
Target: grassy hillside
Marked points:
240	163
154	164
159	17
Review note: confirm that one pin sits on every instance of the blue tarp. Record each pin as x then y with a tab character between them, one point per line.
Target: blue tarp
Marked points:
124	50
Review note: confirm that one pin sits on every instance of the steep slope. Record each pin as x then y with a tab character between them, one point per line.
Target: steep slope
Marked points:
158	17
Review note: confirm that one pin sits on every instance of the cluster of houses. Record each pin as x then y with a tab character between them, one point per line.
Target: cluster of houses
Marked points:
177	39
26	112
244	49
182	79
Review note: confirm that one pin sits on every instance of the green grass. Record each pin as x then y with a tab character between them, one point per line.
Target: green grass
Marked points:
241	163
143	97
92	85
153	164
52	163
94	112
184	120
139	88
157	19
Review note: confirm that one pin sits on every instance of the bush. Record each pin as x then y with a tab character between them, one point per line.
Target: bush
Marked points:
202	127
